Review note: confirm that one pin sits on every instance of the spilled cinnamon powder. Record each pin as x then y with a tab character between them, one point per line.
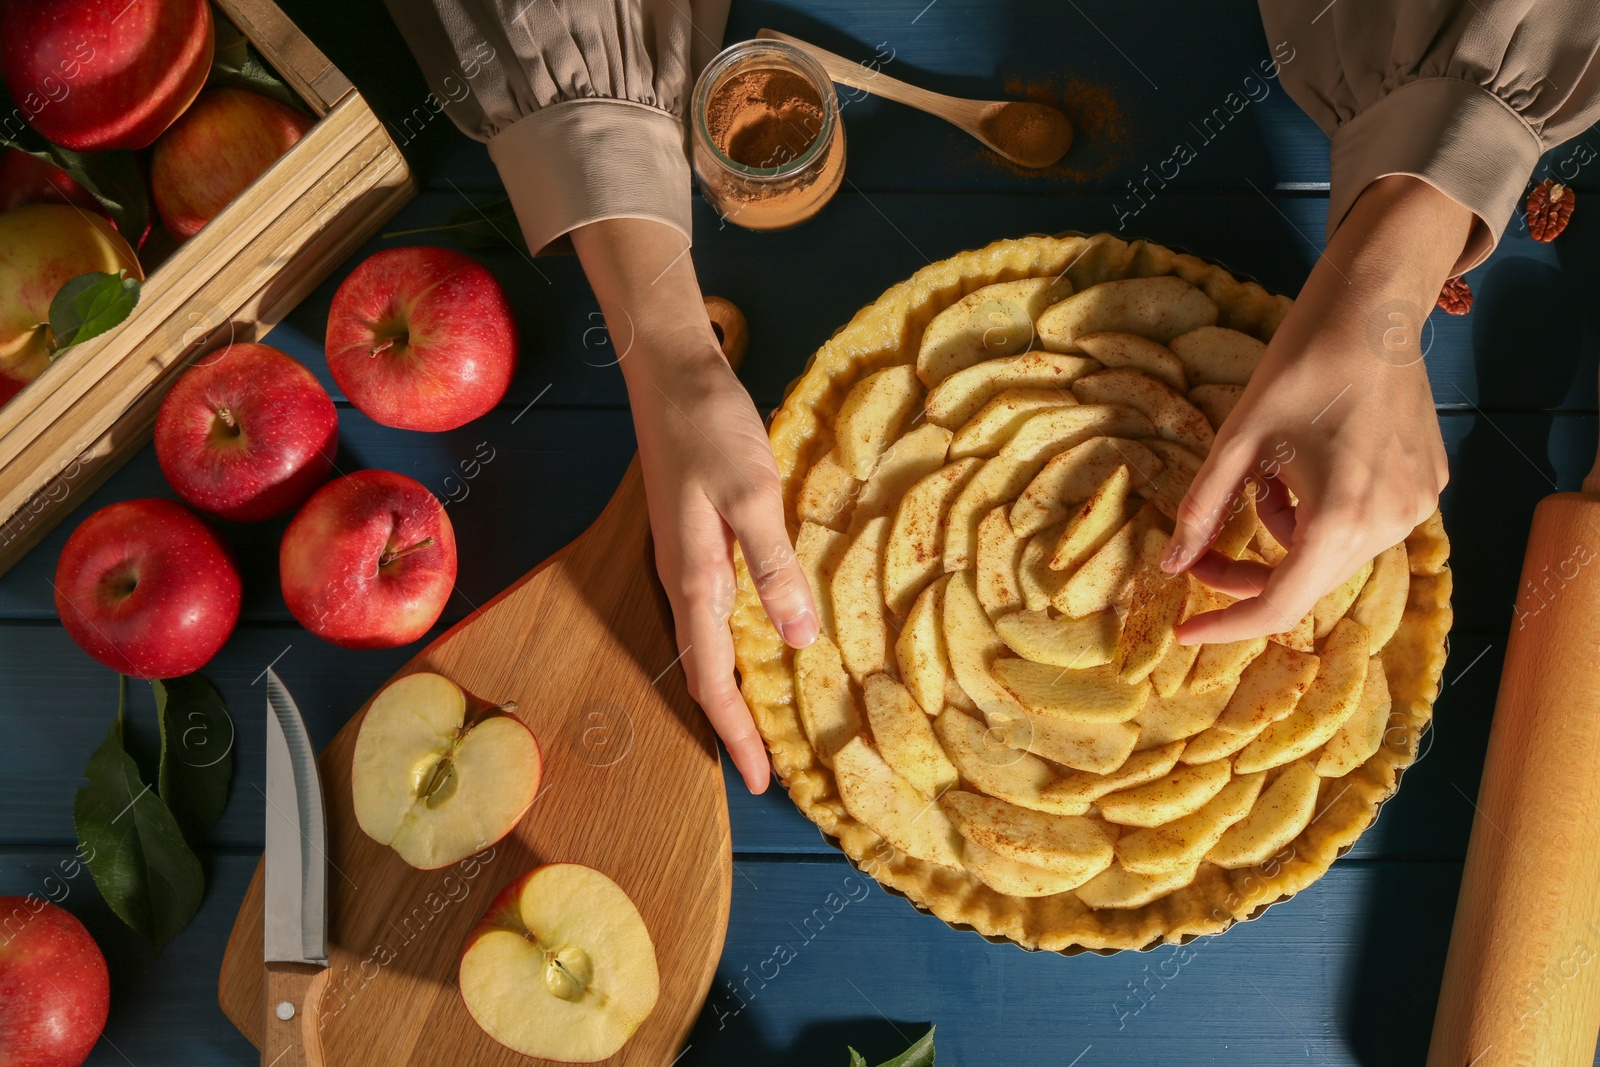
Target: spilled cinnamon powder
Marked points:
764	118
1101	143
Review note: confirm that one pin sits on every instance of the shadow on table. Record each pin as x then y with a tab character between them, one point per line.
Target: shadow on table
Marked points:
819	1044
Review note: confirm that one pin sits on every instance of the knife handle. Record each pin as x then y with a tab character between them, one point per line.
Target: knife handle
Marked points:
293	990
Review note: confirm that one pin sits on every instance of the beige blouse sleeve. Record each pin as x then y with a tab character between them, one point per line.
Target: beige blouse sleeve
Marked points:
1465	95
581	102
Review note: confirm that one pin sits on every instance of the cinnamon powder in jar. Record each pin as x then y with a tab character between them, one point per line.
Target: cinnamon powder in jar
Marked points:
764	118
760	113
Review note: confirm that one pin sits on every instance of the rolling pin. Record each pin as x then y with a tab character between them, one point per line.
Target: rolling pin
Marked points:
1522	979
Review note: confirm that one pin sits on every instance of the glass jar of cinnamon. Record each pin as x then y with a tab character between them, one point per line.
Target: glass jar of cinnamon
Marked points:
767	142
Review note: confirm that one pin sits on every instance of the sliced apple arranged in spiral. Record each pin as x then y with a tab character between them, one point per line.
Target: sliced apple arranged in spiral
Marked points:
431	783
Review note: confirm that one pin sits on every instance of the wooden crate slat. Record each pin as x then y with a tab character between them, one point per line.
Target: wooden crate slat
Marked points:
88	470
229	235
302	64
219	295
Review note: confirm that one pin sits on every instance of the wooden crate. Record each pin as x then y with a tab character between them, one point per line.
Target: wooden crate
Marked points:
83	418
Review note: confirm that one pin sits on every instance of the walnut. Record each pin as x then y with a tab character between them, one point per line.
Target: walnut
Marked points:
1456	297
1549	209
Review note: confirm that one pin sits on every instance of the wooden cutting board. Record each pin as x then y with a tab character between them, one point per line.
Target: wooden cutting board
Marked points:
631	786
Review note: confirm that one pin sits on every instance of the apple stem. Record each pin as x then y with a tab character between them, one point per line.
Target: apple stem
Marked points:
382	346
389	557
228	420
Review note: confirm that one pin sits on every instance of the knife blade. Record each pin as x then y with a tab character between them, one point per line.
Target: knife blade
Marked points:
295	937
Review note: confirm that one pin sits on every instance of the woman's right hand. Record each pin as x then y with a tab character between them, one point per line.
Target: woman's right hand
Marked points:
1339	414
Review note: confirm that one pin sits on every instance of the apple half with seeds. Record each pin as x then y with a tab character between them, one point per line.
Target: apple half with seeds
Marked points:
561	966
431	784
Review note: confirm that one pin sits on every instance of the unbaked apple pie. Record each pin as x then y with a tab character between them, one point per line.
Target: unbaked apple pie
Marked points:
982	470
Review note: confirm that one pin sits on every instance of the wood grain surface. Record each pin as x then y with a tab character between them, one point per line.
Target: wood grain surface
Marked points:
1521	982
1345	974
632	787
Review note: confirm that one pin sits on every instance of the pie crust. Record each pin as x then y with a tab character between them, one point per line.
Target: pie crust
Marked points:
889	333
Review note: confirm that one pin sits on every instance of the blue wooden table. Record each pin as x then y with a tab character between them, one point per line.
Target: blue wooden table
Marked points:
816	957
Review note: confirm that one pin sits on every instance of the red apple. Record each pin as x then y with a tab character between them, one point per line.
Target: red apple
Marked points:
369	561
220	145
54	988
27	179
10	387
247	433
147	588
422	339
42	247
97	74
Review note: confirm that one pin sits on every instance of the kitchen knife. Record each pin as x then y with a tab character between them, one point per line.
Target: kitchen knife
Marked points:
296	862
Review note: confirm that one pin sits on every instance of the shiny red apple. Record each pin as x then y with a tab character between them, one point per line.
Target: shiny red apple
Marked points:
422	339
54	987
247	433
147	588
98	74
220	145
27	179
369	561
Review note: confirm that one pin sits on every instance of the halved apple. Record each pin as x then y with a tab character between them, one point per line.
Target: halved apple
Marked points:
561	966
433	786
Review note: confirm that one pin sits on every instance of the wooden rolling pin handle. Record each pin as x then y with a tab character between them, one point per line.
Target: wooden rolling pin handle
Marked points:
1522	979
733	332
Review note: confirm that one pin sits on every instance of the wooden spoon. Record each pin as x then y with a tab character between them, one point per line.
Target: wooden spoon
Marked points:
1032	135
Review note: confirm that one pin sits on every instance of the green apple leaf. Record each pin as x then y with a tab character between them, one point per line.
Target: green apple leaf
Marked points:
89	305
114	178
918	1055
196	750
237	63
133	846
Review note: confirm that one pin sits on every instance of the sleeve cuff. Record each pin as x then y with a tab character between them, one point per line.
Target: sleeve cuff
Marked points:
583	161
1458	137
